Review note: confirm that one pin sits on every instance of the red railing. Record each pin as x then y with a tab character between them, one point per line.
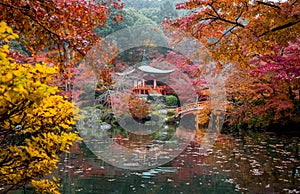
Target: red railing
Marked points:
189	108
149	89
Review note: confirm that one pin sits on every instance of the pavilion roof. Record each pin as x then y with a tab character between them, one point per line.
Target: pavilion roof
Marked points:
144	67
149	69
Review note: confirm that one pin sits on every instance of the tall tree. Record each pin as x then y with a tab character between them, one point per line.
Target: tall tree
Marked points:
63	29
235	31
269	94
258	35
35	123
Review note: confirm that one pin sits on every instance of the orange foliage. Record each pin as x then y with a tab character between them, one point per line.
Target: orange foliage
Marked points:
237	30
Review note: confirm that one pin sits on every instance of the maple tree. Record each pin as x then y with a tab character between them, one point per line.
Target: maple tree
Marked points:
269	94
56	25
261	38
126	106
35	123
280	71
58	32
139	108
282	64
235	31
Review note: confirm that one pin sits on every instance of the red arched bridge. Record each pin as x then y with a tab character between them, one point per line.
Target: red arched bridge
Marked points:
189	108
194	108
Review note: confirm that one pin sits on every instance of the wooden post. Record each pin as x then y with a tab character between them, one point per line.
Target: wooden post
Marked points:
154	84
197	124
218	122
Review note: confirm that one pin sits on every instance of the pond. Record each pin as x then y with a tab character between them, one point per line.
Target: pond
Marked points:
254	162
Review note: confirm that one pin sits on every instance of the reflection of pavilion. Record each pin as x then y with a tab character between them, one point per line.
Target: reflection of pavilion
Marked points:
148	84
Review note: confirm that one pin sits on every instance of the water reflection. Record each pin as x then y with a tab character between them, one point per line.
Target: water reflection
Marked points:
255	163
259	162
84	174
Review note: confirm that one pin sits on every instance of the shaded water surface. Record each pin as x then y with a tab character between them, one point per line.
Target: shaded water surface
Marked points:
254	163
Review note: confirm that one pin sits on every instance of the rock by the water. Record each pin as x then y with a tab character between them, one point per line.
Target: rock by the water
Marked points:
163	112
105	126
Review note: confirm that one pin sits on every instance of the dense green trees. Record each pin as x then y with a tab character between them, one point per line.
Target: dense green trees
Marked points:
131	17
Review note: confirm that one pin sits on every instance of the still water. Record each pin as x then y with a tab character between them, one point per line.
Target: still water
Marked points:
249	163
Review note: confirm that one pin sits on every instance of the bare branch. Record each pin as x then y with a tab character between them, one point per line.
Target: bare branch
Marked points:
287	25
227	32
225	20
268	4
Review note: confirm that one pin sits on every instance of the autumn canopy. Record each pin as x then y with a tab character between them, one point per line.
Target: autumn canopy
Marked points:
43	41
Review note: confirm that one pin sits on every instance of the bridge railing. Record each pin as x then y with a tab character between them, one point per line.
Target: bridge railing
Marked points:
189	107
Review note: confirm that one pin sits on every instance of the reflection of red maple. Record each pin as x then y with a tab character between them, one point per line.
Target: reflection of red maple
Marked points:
132	140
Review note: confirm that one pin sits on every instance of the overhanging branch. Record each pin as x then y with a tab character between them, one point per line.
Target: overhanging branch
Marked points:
287	25
268	4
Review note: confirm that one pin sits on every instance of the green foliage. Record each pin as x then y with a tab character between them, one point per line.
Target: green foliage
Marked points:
158	14
153	13
155	116
171	100
131	17
171	113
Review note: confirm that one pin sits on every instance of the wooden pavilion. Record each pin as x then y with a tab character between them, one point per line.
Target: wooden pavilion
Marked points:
147	83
